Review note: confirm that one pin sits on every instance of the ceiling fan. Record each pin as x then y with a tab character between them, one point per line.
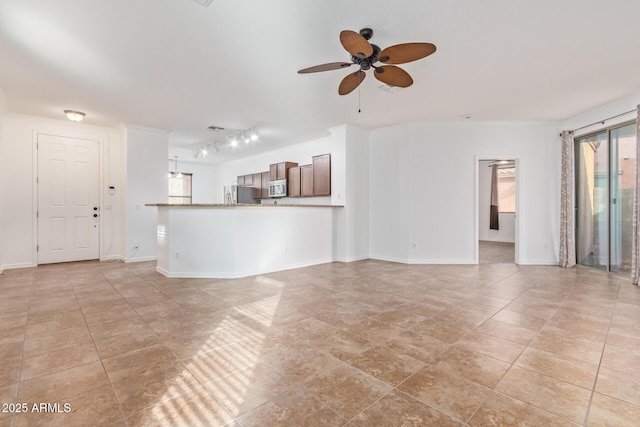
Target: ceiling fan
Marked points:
366	54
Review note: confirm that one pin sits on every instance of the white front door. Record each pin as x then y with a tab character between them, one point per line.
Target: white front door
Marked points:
68	199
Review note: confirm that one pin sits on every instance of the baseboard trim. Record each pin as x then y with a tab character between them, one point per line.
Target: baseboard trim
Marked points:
353	259
141	259
16	266
424	261
113	258
539	262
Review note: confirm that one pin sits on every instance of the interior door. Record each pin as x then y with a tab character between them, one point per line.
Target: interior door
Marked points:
68	199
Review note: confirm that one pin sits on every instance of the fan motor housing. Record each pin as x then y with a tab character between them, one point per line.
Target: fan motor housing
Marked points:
366	63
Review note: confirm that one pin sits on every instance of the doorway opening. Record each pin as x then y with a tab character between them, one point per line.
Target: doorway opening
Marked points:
496	210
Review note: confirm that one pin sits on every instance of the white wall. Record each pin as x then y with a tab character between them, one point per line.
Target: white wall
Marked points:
18	225
202	181
507	221
357	193
146	178
423	189
614	108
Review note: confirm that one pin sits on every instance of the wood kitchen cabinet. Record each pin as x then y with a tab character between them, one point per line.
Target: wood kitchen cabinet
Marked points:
306	180
293	182
240	180
257	183
279	170
265	184
248	180
322	175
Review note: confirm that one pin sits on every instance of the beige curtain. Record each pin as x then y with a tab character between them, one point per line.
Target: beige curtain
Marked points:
567	213
494	223
635	240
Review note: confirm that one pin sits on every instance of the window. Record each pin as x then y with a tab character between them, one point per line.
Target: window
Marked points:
507	190
180	190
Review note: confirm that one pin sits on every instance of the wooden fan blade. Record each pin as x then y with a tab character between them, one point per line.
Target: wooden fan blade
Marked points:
352	81
325	67
394	76
406	52
355	44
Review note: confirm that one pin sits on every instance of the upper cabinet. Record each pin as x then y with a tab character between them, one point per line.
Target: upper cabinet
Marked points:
265	184
302	181
322	175
293	182
279	170
306	180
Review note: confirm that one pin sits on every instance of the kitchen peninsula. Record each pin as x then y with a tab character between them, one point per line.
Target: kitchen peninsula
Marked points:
236	240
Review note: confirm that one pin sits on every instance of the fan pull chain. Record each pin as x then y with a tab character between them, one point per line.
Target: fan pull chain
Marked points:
359	110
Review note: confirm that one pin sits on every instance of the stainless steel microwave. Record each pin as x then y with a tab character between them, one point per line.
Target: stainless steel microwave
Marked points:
278	188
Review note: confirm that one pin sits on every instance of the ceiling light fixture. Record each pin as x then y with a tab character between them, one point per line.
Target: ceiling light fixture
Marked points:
175	173
232	139
74	116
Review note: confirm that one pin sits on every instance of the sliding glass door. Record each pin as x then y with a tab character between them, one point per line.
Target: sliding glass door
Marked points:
592	204
605	164
623	163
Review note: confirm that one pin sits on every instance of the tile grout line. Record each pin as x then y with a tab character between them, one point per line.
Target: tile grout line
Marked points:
180	360
113	390
604	346
24	341
521	353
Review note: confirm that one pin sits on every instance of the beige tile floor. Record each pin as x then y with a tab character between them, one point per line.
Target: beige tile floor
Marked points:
367	343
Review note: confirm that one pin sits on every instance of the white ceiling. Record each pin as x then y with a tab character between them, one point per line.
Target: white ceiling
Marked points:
176	65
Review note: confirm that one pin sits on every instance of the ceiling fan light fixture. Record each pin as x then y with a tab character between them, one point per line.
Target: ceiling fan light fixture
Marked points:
365	55
74	116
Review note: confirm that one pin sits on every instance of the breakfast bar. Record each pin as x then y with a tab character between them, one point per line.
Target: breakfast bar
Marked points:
237	240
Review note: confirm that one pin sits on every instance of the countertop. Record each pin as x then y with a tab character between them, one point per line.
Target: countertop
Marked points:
243	205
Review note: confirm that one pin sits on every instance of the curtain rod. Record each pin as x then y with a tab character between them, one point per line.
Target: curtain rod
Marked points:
603	120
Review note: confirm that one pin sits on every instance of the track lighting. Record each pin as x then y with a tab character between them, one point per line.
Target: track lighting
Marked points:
233	139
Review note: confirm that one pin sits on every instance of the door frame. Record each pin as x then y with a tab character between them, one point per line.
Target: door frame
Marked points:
34	192
518	218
